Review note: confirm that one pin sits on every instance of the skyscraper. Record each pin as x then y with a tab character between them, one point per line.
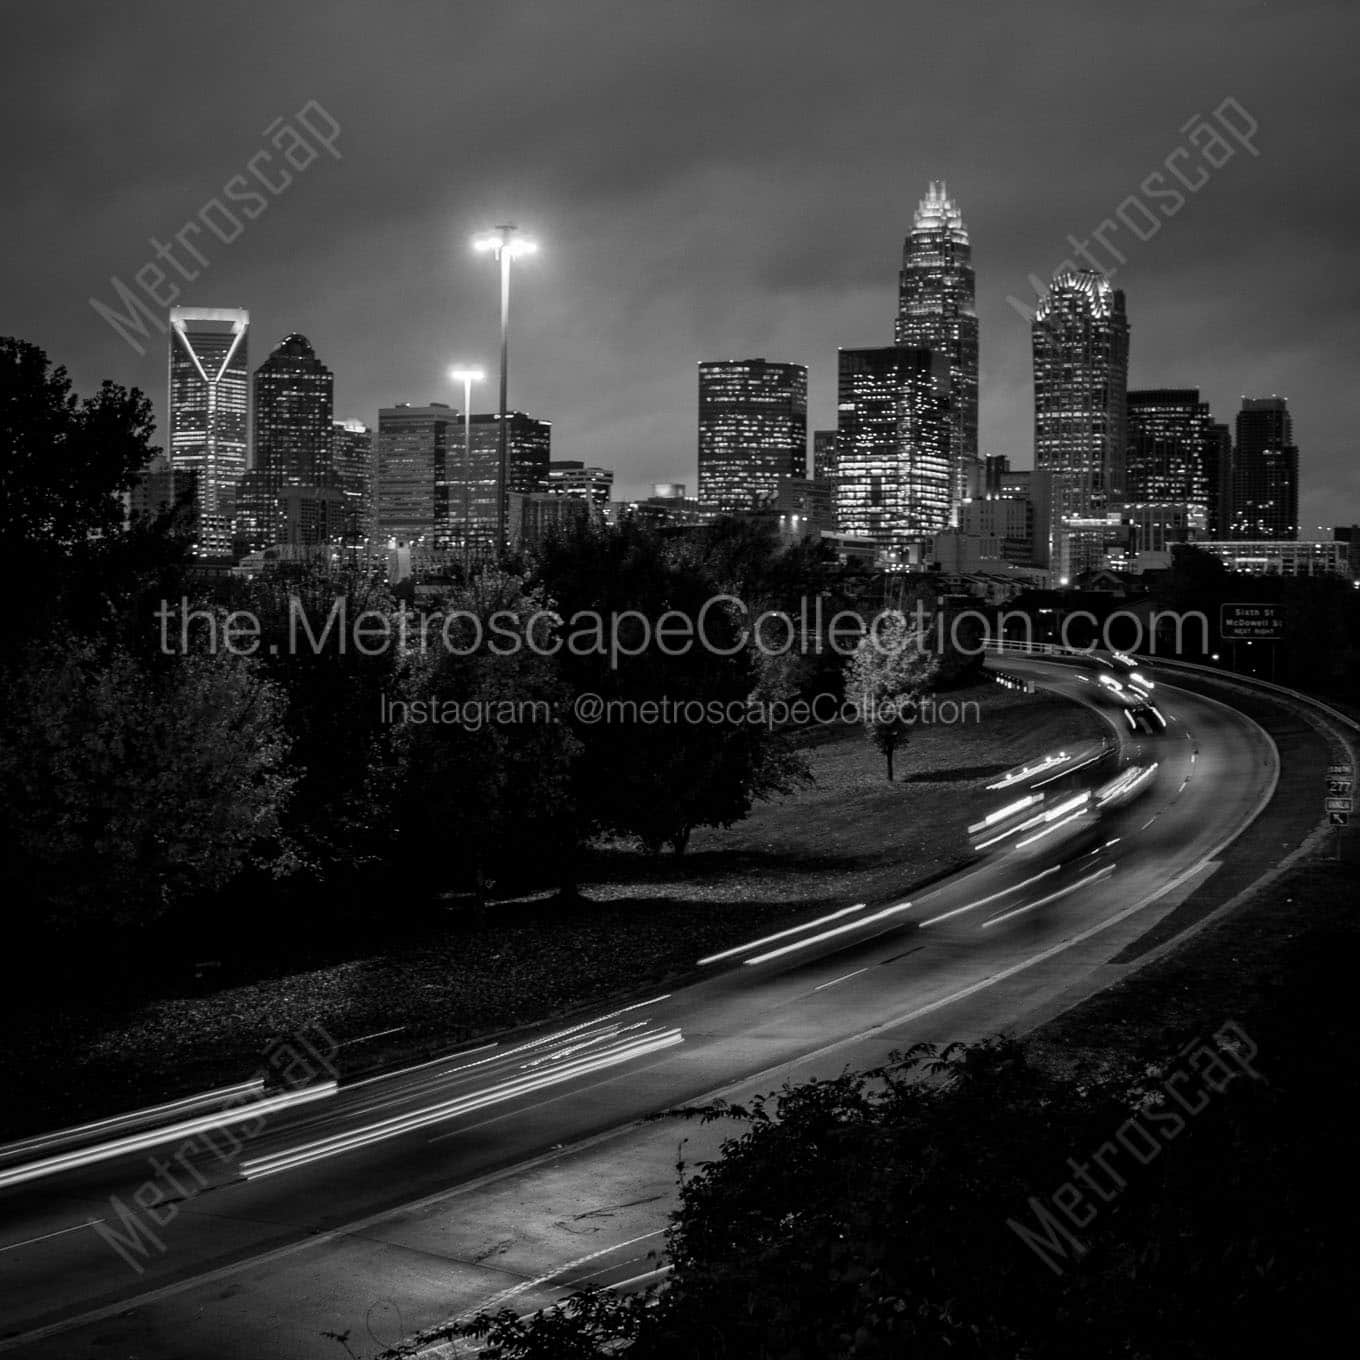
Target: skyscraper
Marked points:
414	444
1218	474
1166	470
824	455
570	477
1265	471
752	430
208	414
1080	338
893	471
467	497
935	310
425	494
294	409
353	471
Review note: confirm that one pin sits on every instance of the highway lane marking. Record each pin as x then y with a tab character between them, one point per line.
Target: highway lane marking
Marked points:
844	977
982	901
29	1241
1052	897
220	1273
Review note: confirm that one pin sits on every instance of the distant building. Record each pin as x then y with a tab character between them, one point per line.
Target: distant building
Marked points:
893	470
1218	473
311	516
294	409
208	414
593	484
535	515
352	463
1080	338
1265	471
935	310
414	446
436	491
994	468
668	490
1157	525
469	494
752	430
1349	534
824	455
1281	557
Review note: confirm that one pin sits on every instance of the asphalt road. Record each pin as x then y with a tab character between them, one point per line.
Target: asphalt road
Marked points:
362	1209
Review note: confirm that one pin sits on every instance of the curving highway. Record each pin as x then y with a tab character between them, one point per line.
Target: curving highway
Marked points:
193	1240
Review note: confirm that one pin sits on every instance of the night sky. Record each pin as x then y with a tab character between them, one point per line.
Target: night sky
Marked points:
708	179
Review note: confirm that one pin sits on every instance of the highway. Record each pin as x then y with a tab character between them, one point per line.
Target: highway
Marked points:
382	1189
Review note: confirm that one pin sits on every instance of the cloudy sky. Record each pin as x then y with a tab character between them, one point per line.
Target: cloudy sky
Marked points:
707	178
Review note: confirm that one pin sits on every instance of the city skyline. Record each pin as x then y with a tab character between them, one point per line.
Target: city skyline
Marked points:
656	251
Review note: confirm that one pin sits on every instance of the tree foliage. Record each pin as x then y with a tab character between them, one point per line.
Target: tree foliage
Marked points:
125	792
888	675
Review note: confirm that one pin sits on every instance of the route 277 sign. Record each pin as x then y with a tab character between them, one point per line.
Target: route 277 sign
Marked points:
1250	622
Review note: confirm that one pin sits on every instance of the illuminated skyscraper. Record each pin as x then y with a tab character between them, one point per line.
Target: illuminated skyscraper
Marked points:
1265	471
935	310
893	471
752	430
1081	364
353	472
468	497
208	410
824	455
294	408
1167	482
425	494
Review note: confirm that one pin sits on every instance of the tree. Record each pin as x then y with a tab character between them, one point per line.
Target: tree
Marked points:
125	793
888	674
64	461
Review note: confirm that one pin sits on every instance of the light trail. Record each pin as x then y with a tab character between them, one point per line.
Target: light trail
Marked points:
254	1086
844	977
102	1152
827	934
1002	813
509	1089
982	901
1024	771
1052	897
783	934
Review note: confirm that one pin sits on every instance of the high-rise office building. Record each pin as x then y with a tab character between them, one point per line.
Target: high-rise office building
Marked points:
995	466
893	470
468	495
293	444
569	477
1080	338
434	490
1218	474
208	415
414	445
752	430
1265	471
935	310
354	473
1167	491
824	455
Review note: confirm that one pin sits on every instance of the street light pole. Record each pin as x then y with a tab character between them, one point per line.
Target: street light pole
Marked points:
506	246
467	376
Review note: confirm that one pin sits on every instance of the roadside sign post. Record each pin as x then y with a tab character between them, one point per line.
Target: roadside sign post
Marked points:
1337	803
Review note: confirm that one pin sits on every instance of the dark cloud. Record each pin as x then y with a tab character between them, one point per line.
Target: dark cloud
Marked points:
707	178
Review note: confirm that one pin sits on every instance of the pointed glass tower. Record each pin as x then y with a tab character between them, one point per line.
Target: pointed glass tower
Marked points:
935	310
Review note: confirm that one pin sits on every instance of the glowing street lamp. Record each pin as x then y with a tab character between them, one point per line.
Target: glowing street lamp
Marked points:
505	245
467	376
